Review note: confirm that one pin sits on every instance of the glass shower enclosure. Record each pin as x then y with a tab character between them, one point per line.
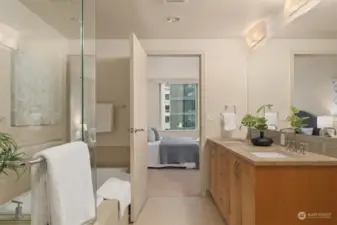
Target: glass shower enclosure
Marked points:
47	87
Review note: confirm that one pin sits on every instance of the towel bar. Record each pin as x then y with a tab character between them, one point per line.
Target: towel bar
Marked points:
39	160
35	161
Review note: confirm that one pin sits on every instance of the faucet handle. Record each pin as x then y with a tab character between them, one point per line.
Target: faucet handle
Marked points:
17	202
306	147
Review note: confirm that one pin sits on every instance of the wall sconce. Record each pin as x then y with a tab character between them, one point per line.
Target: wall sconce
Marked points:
296	8
256	34
8	36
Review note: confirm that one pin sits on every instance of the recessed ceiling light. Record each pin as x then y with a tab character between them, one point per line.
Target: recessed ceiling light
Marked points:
173	19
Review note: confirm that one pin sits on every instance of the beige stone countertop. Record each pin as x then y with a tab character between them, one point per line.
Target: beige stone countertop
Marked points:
245	149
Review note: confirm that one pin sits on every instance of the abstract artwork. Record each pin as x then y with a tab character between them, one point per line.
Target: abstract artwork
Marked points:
35	94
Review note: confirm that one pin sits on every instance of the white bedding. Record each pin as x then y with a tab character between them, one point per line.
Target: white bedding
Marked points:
153	154
154	158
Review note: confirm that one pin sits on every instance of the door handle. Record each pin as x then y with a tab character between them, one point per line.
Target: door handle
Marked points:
139	130
133	130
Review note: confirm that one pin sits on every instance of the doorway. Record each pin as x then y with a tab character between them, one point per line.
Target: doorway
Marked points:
174	131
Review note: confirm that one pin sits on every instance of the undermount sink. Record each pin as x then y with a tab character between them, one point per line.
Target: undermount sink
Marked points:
269	155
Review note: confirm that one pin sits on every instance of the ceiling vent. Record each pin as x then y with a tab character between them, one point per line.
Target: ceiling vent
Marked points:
175	1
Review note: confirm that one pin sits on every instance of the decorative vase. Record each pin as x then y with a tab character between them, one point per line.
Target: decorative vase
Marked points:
248	135
262	140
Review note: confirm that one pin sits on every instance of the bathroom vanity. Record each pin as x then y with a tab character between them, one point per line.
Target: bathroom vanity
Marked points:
271	186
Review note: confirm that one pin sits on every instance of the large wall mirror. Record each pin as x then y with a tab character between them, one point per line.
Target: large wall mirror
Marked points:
314	92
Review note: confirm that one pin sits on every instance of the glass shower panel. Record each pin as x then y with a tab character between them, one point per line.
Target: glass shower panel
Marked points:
88	56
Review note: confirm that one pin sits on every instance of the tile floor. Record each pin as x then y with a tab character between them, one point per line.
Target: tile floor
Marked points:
173	199
173	183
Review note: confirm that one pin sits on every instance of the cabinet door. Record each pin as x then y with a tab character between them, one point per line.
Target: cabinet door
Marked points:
224	182
214	171
247	192
235	192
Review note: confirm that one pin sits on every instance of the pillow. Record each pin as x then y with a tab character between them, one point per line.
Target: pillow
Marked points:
156	133
151	137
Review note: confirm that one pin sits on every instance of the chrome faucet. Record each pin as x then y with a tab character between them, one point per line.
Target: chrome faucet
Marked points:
324	130
18	210
291	144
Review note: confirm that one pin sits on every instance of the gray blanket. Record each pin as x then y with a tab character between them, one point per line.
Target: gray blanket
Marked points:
176	150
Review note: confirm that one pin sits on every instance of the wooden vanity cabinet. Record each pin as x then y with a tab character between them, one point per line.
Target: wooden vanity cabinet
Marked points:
249	193
220	176
232	181
213	171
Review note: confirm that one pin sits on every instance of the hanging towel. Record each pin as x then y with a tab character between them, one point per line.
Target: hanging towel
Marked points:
229	120
117	189
271	120
62	189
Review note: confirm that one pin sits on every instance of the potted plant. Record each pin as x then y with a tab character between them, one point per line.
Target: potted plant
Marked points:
10	157
259	123
296	122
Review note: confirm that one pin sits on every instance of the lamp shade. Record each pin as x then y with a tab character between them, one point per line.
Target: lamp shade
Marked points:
324	121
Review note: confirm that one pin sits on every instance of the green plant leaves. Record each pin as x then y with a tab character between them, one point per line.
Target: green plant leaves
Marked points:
10	158
260	123
248	121
295	121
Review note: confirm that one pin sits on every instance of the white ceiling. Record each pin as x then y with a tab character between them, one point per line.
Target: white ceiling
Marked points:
199	18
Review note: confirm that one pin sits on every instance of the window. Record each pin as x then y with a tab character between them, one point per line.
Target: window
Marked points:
179	106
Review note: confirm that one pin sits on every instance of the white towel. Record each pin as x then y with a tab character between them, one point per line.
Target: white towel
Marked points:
229	120
271	120
62	191
117	189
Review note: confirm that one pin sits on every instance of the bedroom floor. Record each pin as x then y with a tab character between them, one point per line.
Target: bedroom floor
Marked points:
173	199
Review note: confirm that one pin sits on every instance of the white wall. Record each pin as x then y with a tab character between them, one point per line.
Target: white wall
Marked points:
233	75
313	76
41	41
225	70
173	69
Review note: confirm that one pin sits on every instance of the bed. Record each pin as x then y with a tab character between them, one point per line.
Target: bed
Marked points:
173	152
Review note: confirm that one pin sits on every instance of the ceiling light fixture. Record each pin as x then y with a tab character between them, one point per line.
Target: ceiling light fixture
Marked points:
173	19
255	34
296	8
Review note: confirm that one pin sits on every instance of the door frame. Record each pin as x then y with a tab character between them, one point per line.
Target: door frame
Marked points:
204	165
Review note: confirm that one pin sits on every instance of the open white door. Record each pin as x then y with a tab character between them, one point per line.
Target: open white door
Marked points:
138	127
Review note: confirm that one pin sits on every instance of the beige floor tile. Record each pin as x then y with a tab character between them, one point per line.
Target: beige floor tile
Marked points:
174	200
173	183
179	211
